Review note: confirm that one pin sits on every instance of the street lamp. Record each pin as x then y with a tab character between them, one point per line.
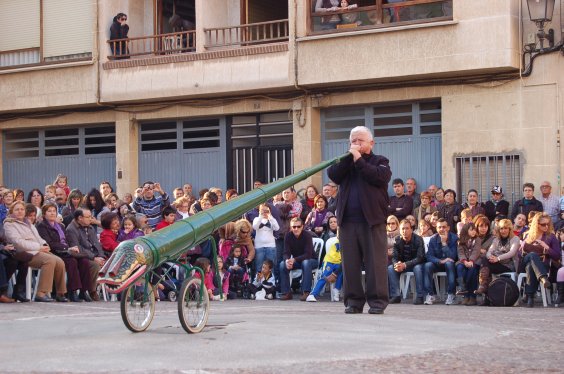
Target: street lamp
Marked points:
540	12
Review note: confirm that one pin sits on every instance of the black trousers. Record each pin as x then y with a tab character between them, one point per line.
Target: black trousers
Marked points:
364	247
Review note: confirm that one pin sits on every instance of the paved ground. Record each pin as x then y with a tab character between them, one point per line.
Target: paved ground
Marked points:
281	337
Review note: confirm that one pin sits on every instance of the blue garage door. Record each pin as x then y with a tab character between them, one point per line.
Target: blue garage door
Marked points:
177	152
409	134
33	158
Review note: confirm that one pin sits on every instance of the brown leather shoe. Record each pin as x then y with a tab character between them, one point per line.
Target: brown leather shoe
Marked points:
94	295
304	296
287	296
6	300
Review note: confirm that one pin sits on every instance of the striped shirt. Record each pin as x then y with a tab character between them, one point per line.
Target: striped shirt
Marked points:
151	208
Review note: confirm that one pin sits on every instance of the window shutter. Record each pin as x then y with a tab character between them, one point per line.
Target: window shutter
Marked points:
67	27
19	24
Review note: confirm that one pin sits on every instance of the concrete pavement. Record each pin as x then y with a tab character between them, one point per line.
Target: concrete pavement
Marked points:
279	337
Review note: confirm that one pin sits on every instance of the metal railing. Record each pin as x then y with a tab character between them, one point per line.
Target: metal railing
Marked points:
248	34
161	44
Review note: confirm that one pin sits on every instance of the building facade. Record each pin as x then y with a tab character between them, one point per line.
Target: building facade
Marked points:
248	89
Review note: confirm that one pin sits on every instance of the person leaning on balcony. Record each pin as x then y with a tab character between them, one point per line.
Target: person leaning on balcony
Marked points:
25	238
119	30
331	21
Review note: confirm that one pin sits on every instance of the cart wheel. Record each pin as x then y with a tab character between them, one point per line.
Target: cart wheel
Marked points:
193	305
172	296
138	306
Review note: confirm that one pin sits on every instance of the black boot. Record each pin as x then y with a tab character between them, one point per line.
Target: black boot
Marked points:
560	301
19	294
461	286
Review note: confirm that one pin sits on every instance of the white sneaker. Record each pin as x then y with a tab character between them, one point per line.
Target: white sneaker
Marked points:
450	299
429	300
311	298
335	294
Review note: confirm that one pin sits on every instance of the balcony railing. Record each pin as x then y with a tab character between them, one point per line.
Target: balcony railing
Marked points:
379	15
162	44
248	34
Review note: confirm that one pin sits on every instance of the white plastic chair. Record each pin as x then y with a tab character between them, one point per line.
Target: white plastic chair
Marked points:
407	280
28	287
320	267
317	247
545	299
440	286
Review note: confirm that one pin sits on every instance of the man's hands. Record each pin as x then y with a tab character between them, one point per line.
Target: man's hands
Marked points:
290	263
355	151
100	261
400	266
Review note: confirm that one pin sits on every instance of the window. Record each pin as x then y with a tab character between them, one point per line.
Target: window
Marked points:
483	172
37	31
363	14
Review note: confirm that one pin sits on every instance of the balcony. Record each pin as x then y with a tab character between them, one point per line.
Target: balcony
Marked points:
153	45
369	14
247	35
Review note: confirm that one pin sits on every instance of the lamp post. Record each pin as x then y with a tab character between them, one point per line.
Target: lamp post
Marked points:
540	12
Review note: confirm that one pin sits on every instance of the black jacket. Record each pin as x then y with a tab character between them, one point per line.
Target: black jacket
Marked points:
493	210
375	175
520	207
51	236
415	255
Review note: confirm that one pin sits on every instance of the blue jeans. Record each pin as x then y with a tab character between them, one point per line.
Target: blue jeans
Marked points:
328	268
535	269
262	254
394	278
470	277
306	265
279	257
431	268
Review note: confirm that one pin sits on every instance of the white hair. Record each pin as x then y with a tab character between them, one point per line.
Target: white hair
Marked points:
363	129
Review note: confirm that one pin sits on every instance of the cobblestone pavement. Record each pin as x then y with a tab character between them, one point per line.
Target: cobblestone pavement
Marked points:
280	337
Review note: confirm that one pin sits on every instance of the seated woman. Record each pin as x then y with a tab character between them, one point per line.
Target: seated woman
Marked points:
182	205
500	257
539	248
425	208
74	201
317	219
392	232
26	238
95	203
35	197
108	236
78	268
308	202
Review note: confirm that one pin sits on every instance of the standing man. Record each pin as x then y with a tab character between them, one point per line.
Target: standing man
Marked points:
411	187
527	203
401	205
151	205
550	202
362	206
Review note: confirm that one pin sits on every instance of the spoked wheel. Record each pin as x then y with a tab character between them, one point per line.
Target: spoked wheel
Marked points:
193	305
138	305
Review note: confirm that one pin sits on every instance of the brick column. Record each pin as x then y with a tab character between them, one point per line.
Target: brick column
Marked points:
307	139
127	152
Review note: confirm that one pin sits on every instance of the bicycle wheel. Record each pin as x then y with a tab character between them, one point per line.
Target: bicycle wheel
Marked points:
138	306
193	305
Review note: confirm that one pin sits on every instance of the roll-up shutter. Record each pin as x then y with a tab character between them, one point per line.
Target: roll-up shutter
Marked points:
19	24
67	27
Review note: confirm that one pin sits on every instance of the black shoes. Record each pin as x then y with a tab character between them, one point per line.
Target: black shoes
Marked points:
353	310
85	296
61	299
43	299
376	311
73	297
395	300
20	297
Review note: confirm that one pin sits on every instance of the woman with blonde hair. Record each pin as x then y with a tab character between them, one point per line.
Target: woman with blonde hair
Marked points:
500	256
539	247
392	232
25	238
243	231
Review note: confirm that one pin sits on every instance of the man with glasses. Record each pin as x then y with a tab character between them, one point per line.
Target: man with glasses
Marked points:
150	204
298	254
362	209
550	202
81	234
528	203
497	205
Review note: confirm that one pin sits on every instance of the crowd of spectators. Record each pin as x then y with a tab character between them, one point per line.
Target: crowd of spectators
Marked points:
68	236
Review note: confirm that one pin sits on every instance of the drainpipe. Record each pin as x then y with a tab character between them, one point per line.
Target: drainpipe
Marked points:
97	53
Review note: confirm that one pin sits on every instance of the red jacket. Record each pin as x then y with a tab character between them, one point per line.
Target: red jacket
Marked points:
108	239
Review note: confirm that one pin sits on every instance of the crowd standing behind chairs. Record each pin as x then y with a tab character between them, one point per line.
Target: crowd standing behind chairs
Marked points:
68	236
